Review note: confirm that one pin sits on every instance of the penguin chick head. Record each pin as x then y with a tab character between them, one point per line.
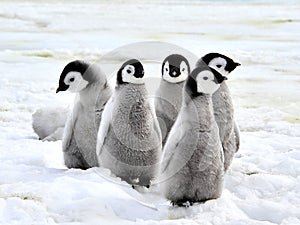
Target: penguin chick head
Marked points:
221	63
204	80
72	77
175	68
132	71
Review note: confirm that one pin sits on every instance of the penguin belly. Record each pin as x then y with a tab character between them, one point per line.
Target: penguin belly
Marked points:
85	134
132	145
193	158
201	178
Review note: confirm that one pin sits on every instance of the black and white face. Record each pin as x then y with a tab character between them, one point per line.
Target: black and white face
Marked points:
175	68
75	81
204	80
221	63
131	71
71	78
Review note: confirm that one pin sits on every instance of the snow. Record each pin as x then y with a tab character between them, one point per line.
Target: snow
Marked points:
38	39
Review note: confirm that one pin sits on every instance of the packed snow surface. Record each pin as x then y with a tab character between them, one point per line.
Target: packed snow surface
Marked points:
39	37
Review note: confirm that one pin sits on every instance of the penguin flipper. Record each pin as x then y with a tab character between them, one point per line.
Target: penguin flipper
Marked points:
101	143
172	145
237	136
156	126
104	125
69	129
172	151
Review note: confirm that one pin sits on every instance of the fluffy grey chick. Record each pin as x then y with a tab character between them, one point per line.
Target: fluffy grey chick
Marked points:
223	106
129	138
168	97
192	167
49	122
80	133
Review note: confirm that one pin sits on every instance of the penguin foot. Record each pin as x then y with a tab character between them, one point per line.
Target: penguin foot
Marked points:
182	203
147	186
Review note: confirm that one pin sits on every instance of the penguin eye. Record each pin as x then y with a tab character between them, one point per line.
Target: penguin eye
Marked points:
167	69
219	66
72	79
205	78
183	69
129	69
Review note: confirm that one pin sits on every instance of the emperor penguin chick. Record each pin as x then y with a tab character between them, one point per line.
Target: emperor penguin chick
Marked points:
192	167
168	97
129	138
49	122
223	106
80	133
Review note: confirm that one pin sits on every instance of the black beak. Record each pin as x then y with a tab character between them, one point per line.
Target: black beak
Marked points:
141	75
225	78
62	87
174	72
237	64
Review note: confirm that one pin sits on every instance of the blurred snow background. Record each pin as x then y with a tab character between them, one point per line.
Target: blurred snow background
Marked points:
37	38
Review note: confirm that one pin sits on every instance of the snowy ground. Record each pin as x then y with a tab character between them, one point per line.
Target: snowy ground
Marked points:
38	38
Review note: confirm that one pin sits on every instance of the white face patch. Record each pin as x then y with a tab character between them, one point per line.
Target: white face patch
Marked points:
180	78
205	82
75	81
219	64
127	75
